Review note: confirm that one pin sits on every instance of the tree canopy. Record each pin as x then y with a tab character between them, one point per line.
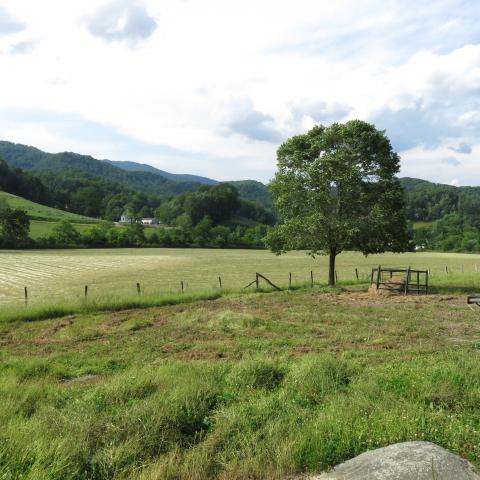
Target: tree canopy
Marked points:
14	226
336	190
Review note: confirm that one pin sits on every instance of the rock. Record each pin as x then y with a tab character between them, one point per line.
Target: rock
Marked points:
403	461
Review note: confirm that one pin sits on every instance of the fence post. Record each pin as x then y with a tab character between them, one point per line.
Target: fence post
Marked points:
86	291
220	281
379	275
138	288
311	278
182	285
407	280
290	281
25	289
356	273
256	280
446	270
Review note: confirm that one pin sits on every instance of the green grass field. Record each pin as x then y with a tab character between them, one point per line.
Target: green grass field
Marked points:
418	225
56	275
39	228
40	212
252	386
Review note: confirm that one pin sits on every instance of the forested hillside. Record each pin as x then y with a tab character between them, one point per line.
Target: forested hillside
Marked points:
446	217
33	159
209	216
132	175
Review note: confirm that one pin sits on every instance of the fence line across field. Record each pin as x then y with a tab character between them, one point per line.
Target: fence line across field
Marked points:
151	287
356	274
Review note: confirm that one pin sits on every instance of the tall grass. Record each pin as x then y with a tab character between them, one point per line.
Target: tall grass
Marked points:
47	310
256	418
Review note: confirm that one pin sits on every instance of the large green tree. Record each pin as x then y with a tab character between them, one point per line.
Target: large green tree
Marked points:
336	190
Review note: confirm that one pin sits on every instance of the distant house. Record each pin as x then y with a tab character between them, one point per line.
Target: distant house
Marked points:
126	218
150	221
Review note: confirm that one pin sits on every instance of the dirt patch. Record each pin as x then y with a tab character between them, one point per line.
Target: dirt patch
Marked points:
47	334
116	319
365	299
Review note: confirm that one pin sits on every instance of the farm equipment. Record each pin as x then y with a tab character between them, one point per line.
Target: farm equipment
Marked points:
473	300
402	281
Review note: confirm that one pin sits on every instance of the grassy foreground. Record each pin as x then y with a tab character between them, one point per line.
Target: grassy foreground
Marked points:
242	387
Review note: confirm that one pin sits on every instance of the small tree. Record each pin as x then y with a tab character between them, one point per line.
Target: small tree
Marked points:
14	226
336	190
64	234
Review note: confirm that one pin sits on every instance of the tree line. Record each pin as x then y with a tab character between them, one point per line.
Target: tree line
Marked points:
15	226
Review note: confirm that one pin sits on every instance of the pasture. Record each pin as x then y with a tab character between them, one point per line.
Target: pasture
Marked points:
58	275
252	386
40	212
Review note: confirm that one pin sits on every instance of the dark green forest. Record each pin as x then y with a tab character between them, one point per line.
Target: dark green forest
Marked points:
203	212
205	216
445	217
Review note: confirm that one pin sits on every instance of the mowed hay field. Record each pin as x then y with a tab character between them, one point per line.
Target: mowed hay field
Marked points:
57	275
254	386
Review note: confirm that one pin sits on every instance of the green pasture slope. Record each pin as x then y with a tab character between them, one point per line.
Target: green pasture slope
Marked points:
43	218
37	211
242	386
39	229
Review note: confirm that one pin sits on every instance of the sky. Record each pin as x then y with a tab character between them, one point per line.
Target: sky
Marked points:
213	87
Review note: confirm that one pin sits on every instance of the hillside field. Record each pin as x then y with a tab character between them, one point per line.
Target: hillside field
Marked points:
41	212
56	275
41	228
254	386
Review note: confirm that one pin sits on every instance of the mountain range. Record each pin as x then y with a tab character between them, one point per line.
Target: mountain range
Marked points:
133	175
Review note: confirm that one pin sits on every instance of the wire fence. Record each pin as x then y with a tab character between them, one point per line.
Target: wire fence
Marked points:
14	293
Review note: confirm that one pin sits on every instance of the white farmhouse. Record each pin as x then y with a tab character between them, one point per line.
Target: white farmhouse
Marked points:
150	221
126	218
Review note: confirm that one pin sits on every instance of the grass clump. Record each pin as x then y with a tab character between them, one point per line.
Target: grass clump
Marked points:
315	378
255	374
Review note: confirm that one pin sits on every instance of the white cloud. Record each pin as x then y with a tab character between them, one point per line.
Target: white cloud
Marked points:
225	82
8	23
121	20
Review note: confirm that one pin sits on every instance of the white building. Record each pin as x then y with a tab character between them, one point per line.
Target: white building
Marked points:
150	221
125	218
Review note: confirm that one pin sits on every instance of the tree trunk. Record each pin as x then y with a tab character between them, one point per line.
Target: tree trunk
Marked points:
331	269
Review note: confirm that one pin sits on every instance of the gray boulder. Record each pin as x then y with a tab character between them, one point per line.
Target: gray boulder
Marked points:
403	461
